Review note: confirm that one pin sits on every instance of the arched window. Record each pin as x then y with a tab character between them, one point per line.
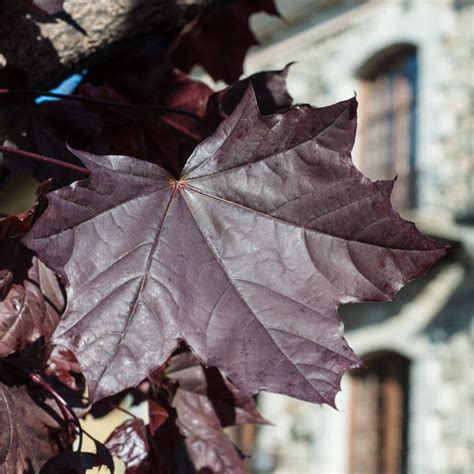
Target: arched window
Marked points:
378	415
388	115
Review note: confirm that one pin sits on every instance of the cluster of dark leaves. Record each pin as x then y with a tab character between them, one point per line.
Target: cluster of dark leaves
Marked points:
41	384
205	268
188	407
189	411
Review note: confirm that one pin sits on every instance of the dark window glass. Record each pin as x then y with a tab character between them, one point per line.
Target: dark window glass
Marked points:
387	125
378	416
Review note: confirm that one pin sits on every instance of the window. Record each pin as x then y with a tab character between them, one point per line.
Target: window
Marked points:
388	113
378	416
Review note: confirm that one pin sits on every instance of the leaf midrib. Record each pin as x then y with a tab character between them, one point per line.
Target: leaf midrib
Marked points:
140	289
241	297
94	216
263	158
307	229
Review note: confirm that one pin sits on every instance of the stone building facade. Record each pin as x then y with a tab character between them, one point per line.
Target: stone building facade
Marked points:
411	64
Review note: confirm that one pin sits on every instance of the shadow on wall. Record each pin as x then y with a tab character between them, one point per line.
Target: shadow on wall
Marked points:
457	314
22	45
356	316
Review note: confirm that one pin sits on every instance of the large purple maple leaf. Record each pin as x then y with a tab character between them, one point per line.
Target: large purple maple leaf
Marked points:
245	258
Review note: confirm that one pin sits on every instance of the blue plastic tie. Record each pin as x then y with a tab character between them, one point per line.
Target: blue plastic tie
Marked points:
68	86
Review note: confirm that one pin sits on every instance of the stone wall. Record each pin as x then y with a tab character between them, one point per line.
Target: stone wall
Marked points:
330	54
432	325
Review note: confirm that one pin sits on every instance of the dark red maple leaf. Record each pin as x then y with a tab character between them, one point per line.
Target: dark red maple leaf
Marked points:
129	443
246	257
30	310
43	129
219	39
169	88
167	442
49	6
163	138
178	90
25	432
270	91
165	141
63	365
15	259
200	402
206	403
45	6
218	400
31	299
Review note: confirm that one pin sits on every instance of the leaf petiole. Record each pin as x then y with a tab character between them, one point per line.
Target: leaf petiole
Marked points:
44	159
66	411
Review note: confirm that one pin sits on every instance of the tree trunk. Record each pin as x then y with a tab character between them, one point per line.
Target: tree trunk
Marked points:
90	32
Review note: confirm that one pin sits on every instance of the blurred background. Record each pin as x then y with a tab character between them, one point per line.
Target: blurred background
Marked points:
410	62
